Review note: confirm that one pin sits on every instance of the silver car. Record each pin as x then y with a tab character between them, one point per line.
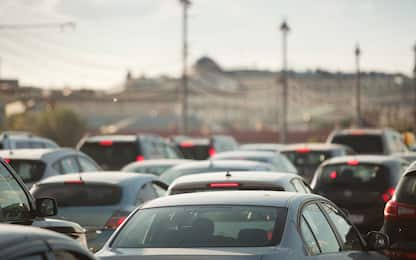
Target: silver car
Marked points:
155	166
99	201
220	181
241	225
33	165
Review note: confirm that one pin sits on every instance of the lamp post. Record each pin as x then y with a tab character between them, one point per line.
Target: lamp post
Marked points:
284	28
185	91
357	53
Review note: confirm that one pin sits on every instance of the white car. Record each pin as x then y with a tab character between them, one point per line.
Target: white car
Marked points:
33	165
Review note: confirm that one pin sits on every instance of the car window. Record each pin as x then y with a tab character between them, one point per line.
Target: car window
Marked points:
160	191
298	186
87	165
170	152
310	241
146	193
320	228
28	170
14	203
349	236
22	144
37	144
69	165
362	144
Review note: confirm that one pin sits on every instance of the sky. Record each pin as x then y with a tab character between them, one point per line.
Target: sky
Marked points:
144	36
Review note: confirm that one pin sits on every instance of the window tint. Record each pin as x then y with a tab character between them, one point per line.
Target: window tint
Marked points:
22	144
69	165
350	238
302	159
28	170
361	144
78	195
203	226
320	228
13	201
87	165
37	145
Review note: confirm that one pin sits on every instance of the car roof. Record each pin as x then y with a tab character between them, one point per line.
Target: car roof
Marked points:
194	141
245	153
358	131
34	154
278	178
313	146
118	138
255	198
219	163
254	146
372	159
152	162
110	177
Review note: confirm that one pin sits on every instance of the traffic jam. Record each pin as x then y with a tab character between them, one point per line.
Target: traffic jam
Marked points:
147	197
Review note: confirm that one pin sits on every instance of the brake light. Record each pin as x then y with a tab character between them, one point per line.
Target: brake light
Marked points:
211	151
7	160
116	220
333	175
74	182
353	162
139	158
186	144
224	185
303	150
394	209
106	143
388	194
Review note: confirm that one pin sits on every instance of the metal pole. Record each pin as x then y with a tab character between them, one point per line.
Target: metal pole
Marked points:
358	86
185	94
414	86
283	131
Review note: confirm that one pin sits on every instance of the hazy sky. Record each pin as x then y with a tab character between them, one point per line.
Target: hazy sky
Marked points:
144	35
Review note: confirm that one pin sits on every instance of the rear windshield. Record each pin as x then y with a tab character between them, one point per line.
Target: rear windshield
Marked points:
313	158
111	156
79	195
207	188
195	152
28	170
354	177
203	226
406	192
361	144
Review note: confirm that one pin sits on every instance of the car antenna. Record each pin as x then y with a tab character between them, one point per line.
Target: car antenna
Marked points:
228	174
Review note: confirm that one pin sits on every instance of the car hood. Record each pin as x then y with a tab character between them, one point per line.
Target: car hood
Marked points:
58	225
193	253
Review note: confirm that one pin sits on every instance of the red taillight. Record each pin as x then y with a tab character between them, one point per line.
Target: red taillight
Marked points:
394	209
303	150
388	194
115	221
353	162
211	151
186	144
106	143
224	185
7	160
333	175
74	182
139	158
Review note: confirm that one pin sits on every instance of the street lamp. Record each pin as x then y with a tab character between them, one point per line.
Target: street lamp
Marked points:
357	53
185	91
284	28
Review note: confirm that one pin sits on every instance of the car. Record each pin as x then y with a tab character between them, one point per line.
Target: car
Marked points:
18	206
307	157
219	181
213	166
279	161
408	156
156	167
268	147
241	225
400	217
360	184
24	140
112	152
383	141
20	242
99	201
202	148
33	165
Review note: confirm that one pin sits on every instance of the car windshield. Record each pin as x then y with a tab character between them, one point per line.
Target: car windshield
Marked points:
355	177
302	159
28	170
203	226
361	144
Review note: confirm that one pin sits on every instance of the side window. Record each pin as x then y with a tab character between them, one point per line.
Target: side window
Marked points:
13	200
69	165
350	238
146	193
160	191
86	164
37	145
320	228
298	185
170	152
308	237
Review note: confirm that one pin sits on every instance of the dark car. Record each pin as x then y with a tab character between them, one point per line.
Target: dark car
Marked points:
24	140
307	157
203	148
112	152
400	217
360	184
369	141
19	207
28	243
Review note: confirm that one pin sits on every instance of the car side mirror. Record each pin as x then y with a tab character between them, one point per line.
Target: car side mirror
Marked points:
377	240
46	207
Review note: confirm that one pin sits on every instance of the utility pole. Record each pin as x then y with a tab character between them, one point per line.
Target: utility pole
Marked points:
414	86
284	28
358	118
185	95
